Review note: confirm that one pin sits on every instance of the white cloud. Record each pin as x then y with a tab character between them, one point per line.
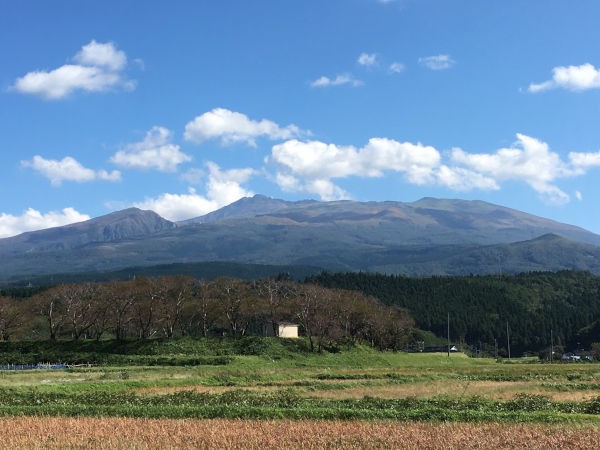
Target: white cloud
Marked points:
339	80
583	161
154	152
232	127
193	175
68	169
99	68
222	188
461	179
34	220
101	55
396	67
367	59
310	166
572	78
529	160
437	62
579	196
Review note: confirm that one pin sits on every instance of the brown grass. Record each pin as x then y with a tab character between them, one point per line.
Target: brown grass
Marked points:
109	433
498	390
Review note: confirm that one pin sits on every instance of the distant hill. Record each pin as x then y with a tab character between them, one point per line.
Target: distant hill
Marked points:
429	236
546	253
202	270
118	226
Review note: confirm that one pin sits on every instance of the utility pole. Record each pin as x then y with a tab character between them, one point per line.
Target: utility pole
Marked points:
448	335
551	345
508	339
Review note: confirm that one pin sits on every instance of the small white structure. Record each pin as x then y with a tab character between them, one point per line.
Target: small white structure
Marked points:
283	330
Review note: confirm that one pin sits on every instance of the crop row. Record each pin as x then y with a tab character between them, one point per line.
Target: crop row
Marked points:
287	404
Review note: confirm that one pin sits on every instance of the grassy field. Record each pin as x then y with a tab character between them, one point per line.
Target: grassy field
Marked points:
385	395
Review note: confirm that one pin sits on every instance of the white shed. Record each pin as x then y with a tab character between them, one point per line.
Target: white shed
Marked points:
283	330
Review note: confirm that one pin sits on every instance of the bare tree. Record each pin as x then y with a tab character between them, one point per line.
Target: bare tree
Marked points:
275	296
79	302
102	311
119	297
389	327
237	303
172	293
144	308
203	310
306	306
50	304
11	317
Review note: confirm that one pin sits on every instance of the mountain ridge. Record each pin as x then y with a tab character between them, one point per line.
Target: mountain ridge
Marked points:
426	237
116	226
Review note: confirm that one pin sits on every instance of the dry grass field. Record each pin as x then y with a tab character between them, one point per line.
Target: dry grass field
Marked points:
127	433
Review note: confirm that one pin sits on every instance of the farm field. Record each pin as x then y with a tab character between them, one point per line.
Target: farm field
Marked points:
277	391
109	433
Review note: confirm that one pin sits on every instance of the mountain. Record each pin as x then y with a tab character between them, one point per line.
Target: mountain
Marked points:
118	226
426	221
429	236
247	207
545	253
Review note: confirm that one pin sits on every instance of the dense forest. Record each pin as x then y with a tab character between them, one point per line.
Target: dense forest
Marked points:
526	313
171	306
529	311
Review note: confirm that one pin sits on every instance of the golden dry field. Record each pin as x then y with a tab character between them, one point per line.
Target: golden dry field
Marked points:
127	433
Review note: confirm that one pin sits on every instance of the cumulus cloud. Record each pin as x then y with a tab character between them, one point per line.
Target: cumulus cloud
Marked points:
154	152
582	161
233	127
367	59
310	166
222	188
96	54
461	179
313	167
32	219
68	169
99	67
437	62
572	78
529	160
339	80
396	67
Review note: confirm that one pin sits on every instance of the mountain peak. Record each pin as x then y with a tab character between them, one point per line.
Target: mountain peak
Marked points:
244	207
118	225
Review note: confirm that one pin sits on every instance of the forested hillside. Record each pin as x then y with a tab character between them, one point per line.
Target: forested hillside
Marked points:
535	306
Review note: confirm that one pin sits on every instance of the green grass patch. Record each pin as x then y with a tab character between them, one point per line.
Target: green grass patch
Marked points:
268	378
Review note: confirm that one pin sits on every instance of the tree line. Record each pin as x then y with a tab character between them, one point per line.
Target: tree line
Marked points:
171	306
529	311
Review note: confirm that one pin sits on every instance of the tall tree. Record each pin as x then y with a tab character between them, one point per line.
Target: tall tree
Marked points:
11	317
51	305
237	304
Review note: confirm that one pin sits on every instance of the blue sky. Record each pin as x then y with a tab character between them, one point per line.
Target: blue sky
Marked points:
185	106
